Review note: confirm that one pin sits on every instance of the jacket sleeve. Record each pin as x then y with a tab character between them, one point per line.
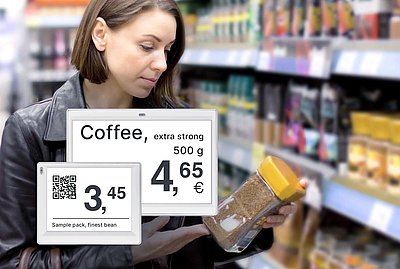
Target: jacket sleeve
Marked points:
18	159
263	241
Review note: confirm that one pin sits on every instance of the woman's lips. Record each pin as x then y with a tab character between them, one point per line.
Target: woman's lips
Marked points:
150	81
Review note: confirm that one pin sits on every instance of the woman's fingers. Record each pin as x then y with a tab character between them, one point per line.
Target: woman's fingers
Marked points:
288	209
304	183
151	227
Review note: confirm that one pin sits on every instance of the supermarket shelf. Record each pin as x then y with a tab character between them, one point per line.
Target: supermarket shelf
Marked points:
296	56
356	201
50	75
317	58
231	152
34	21
363	208
379	59
219	57
240	155
318	169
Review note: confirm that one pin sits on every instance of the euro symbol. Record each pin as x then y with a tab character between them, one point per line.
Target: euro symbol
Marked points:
198	187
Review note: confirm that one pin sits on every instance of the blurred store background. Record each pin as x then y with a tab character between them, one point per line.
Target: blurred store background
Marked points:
315	82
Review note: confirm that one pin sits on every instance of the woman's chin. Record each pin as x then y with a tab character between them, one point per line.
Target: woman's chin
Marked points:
142	93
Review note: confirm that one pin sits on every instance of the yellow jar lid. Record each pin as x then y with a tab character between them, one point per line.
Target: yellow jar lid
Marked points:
359	122
281	179
395	131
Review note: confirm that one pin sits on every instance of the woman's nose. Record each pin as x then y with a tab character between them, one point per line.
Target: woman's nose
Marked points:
160	62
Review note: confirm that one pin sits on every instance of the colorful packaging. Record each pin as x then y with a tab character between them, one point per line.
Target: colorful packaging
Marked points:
357	148
283	17
372	26
393	158
269	18
291	118
314	18
299	15
328	146
329	17
377	148
309	117
346	18
255	21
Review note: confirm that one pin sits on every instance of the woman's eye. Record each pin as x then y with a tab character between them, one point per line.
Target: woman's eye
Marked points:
146	48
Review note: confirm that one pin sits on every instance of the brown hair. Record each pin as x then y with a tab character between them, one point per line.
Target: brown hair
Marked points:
90	62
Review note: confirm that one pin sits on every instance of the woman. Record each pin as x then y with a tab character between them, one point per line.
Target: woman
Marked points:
126	52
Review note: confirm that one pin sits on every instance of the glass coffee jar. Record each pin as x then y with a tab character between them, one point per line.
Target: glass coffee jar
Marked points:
241	215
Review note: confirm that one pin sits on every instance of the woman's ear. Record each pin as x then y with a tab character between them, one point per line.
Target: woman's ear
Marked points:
99	34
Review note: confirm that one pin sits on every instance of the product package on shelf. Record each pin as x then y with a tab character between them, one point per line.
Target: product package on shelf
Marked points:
393	158
377	149
328	131
283	17
291	117
299	16
272	114
270	15
314	18
394	32
309	122
329	17
336	248
255	21
242	107
357	147
372	18
346	18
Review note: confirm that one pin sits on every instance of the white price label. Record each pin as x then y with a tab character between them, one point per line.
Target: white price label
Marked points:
80	199
370	63
204	56
317	65
264	61
176	148
346	62
232	57
280	51
246	57
380	216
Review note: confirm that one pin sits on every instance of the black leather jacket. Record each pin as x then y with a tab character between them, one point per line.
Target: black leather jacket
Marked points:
38	133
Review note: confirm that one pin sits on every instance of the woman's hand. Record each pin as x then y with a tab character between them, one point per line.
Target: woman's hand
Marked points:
157	244
284	211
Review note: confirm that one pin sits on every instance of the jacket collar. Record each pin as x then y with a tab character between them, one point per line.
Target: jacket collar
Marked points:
67	96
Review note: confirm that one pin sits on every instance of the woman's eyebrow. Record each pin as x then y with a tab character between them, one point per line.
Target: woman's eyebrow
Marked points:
157	38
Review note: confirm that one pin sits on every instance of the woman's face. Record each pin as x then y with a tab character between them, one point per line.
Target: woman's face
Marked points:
136	53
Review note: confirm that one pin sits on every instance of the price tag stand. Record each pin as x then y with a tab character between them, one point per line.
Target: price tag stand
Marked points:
88	203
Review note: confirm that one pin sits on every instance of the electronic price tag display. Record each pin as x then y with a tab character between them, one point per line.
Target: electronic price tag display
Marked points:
177	149
88	203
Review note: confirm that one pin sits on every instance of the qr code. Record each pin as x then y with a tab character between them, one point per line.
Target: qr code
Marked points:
64	187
